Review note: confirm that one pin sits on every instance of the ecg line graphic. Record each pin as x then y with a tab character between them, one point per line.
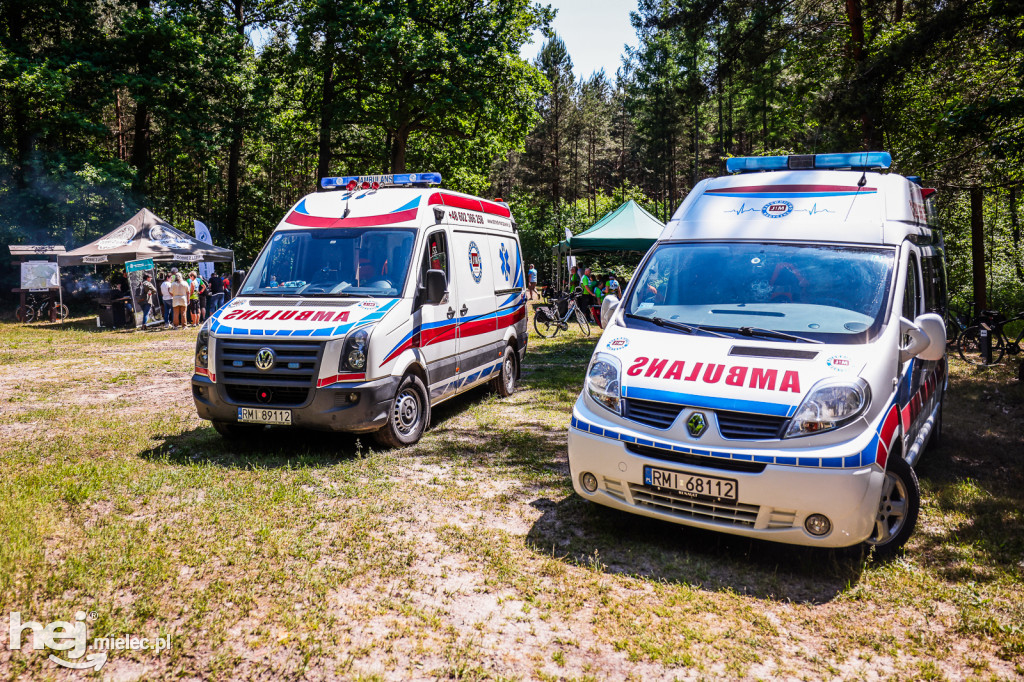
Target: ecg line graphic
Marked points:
814	209
742	209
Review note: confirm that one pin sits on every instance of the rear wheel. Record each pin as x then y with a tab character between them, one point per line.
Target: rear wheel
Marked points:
25	313
581	320
238	431
543	324
62	312
505	383
409	415
897	508
970	347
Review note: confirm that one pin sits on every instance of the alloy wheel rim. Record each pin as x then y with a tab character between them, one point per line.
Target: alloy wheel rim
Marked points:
892	510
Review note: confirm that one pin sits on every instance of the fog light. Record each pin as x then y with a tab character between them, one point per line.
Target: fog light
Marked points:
817	524
353	398
589	482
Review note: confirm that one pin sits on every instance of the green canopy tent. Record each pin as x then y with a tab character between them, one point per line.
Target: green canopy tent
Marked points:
627	228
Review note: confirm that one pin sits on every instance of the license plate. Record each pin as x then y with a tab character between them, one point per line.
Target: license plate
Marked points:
259	415
693	485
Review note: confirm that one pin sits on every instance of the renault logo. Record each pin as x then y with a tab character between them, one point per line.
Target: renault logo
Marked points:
696	425
264	359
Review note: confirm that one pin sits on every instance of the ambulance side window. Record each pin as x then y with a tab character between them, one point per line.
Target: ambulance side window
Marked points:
435	256
911	295
934	279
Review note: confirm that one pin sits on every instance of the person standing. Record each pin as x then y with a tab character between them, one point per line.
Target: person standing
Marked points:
203	293
612	288
574	279
179	294
193	299
147	290
531	280
168	300
587	298
216	295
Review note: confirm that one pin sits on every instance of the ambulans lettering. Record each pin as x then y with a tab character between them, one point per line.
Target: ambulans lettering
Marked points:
713	373
280	315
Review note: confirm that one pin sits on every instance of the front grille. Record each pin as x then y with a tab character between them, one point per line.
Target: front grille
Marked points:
696	460
745	426
285	395
296	366
701	510
651	413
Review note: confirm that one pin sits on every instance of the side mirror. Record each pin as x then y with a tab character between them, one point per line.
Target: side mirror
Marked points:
434	288
927	336
608	307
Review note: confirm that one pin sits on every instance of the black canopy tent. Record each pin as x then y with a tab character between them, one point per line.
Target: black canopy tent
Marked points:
145	235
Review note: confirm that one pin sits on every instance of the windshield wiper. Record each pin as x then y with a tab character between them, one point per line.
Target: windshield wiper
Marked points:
758	331
662	322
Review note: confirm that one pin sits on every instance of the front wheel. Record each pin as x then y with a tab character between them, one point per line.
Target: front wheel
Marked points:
25	313
505	383
408	417
970	347
544	325
897	508
581	320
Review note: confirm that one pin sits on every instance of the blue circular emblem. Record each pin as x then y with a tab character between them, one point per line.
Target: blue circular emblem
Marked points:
476	264
618	344
777	209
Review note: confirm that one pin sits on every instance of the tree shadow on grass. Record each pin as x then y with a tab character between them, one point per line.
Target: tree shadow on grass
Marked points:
271	449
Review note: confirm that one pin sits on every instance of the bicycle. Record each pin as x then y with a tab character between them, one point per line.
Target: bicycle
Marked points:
970	344
548	323
957	322
36	309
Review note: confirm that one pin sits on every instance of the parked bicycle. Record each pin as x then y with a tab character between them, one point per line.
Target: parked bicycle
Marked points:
971	340
548	322
957	321
45	309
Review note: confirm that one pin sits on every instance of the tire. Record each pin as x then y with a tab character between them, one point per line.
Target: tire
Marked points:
898	508
25	313
544	325
581	320
505	383
969	347
238	431
62	312
408	416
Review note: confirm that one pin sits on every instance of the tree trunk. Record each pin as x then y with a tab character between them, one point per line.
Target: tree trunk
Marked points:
140	142
1015	226
19	108
871	97
237	132
323	164
399	148
978	249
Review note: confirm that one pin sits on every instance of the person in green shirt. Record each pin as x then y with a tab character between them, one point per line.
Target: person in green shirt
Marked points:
588	298
574	279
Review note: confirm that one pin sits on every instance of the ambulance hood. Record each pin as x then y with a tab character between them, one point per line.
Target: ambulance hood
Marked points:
741	375
323	318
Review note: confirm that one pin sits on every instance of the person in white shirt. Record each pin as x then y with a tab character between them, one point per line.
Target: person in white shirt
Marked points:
168	300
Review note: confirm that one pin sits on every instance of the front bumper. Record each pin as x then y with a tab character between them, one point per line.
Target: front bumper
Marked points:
326	410
772	504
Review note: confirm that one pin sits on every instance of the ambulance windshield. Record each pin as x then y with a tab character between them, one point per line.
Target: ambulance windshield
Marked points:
338	262
834	294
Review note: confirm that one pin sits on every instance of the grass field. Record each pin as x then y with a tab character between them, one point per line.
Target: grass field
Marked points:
468	556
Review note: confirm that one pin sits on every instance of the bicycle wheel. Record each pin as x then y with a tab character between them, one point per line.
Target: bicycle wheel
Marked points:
545	326
25	313
62	312
970	347
581	320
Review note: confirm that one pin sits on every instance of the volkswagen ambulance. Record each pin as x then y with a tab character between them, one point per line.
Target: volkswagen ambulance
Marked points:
777	365
370	304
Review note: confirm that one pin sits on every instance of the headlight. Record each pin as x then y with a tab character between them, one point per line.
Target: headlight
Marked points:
203	347
603	382
830	404
353	354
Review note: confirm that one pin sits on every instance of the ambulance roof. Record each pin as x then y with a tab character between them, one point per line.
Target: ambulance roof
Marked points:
803	205
395	207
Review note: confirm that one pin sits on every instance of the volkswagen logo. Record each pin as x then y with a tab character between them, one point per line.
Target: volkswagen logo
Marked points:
264	359
697	424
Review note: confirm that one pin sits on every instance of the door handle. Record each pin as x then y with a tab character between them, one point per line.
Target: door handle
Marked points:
465	310
451	312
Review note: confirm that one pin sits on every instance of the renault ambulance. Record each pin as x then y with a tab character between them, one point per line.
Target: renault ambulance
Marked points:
777	365
370	304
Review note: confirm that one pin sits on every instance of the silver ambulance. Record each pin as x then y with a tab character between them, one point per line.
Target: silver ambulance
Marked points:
777	365
370	304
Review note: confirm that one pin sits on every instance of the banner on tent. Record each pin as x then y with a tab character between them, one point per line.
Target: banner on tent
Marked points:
203	235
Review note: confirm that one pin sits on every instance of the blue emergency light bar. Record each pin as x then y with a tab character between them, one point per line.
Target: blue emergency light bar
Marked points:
354	182
852	160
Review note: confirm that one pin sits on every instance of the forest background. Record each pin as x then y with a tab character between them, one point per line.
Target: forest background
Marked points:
228	111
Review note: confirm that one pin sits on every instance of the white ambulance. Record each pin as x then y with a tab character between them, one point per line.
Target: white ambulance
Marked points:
777	364
368	305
